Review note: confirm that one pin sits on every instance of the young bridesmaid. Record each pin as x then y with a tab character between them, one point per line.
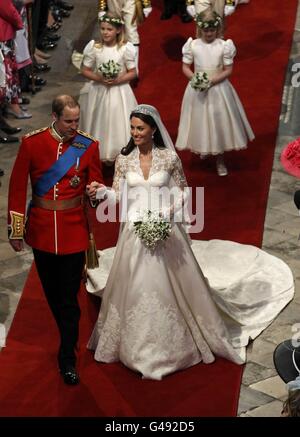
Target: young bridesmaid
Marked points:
107	101
213	120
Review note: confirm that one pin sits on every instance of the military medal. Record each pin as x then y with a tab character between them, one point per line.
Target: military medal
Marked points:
75	180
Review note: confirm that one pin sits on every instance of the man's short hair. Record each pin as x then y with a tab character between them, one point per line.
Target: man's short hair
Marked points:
60	102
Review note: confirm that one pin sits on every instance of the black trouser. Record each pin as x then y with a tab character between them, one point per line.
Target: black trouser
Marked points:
60	276
172	6
40	10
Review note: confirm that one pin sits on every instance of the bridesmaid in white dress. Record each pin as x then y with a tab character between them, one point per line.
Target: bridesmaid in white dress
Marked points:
158	313
211	121
101	99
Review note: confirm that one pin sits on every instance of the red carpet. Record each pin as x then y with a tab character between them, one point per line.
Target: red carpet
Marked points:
234	209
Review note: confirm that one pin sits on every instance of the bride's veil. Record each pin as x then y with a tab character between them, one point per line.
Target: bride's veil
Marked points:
153	112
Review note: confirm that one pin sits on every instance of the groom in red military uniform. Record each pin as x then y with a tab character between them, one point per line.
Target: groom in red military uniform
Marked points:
63	164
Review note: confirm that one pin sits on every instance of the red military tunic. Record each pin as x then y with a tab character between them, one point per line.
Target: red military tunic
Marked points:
59	232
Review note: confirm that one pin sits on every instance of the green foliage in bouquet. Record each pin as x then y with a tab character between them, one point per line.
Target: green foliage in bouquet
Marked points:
200	81
110	69
152	229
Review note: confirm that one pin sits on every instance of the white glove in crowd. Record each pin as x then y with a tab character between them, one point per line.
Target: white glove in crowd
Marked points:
228	10
147	11
191	10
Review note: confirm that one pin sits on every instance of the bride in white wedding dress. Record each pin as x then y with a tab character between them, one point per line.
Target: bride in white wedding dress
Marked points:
159	312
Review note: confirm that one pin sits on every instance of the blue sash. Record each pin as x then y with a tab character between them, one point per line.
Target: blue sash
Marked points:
78	147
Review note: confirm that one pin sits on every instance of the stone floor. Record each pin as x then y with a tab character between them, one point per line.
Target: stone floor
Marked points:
262	390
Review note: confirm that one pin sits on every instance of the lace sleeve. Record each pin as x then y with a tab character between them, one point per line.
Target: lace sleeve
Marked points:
178	174
119	176
182	194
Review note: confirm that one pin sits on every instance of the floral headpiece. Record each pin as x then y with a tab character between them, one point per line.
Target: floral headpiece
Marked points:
206	24
111	20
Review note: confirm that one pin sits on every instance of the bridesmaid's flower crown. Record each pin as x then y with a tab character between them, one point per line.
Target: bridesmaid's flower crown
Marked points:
206	24
111	20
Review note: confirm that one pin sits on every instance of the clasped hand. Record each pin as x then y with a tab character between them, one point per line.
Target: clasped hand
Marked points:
110	81
92	188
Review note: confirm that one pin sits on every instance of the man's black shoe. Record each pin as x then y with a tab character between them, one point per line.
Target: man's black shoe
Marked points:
51	37
38	81
70	376
10	130
44	45
64	13
41	68
7	138
56	15
28	89
5	127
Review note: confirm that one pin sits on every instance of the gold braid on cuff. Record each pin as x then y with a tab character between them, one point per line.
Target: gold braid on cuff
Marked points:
229	2
16	227
102	5
189	2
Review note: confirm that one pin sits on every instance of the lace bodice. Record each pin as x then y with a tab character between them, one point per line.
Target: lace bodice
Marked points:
163	190
165	164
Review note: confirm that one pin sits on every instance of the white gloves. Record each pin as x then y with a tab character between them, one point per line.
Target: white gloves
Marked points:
107	194
228	10
101	13
147	11
101	193
191	10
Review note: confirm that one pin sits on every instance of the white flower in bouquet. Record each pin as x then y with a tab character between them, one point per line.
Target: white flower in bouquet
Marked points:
110	69
152	229
200	81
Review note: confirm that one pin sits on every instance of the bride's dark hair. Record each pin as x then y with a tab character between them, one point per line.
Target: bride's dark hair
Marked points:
157	138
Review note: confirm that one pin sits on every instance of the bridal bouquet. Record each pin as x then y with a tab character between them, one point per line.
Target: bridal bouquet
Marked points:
200	81
110	69
152	229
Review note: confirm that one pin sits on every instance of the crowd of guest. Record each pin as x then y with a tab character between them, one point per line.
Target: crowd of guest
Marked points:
27	33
